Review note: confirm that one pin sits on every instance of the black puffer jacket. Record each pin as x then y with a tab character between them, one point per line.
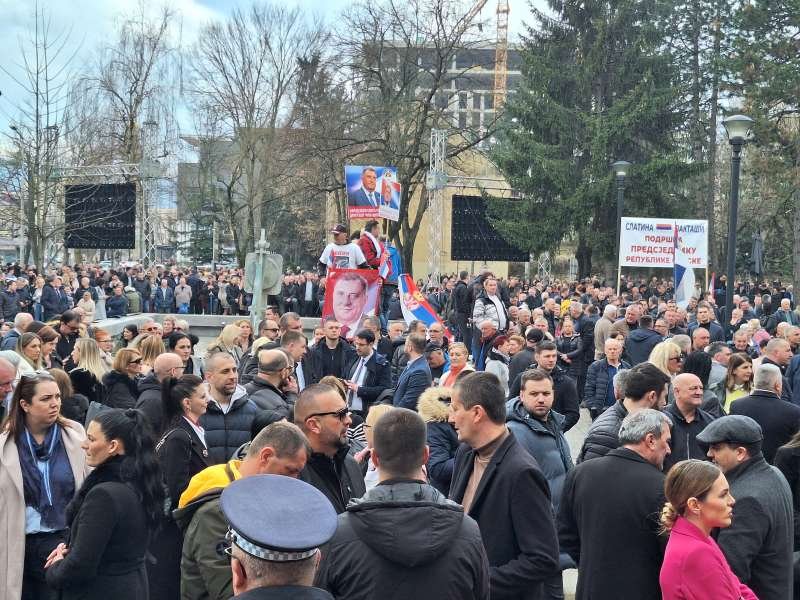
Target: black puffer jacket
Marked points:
225	432
121	390
603	434
404	539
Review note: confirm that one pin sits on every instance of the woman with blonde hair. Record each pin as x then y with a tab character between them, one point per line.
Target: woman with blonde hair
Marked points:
434	407
667	356
123	390
87	376
86	304
150	348
375	413
459	355
698	501
227	341
246	337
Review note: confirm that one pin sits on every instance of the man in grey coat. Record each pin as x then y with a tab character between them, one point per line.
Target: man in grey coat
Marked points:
759	542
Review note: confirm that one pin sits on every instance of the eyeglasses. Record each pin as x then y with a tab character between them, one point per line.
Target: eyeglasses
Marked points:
271	329
37	375
680	358
136	361
339	414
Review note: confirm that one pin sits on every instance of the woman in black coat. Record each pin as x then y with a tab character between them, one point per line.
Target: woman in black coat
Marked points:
182	454
433	406
113	515
120	383
570	349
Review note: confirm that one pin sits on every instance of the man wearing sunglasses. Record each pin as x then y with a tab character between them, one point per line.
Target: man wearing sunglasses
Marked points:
68	327
324	417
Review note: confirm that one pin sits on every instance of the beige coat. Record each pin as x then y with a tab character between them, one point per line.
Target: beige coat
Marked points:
12	505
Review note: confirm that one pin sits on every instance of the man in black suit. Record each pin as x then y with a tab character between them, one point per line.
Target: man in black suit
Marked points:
366	195
368	376
779	419
501	486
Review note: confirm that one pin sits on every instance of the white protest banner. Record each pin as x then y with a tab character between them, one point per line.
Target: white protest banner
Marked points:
646	242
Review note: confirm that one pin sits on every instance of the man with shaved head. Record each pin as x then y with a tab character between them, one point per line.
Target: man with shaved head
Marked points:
688	420
322	414
273	387
230	412
149	402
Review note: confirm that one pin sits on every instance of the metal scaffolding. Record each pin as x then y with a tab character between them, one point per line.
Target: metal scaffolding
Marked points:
146	172
436	182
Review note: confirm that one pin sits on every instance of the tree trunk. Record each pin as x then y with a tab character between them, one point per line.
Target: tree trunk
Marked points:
711	186
796	235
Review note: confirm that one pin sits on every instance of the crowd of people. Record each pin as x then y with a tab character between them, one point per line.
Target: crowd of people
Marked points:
154	465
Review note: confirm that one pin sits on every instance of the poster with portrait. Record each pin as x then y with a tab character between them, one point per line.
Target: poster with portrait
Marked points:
372	192
351	295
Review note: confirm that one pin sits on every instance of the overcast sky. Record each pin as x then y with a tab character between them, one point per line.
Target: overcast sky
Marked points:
88	24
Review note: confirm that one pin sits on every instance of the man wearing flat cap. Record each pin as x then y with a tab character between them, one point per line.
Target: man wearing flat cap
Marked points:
275	545
759	542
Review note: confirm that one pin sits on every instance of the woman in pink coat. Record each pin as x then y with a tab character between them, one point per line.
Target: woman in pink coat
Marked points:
694	568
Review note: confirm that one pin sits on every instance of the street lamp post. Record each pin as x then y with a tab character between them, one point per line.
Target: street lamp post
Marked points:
620	170
738	128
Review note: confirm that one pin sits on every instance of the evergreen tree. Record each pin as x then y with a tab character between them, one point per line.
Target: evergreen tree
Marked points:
598	85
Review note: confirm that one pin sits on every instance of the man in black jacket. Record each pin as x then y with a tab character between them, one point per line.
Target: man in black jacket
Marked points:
368	376
645	387
599	539
502	488
462	309
641	341
779	420
688	419
333	353
523	359
273	387
566	398
324	417
149	401
383	545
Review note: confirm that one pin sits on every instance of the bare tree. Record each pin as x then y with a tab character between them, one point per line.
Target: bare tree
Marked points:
396	64
244	72
35	136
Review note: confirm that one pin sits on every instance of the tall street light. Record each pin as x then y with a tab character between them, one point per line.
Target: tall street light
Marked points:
620	169
738	128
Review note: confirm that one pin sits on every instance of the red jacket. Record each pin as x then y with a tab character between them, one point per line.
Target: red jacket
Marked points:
368	248
694	568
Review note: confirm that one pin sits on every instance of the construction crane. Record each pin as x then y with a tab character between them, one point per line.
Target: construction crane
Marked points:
501	55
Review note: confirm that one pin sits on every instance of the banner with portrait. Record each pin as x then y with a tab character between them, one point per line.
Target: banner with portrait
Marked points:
351	295
372	192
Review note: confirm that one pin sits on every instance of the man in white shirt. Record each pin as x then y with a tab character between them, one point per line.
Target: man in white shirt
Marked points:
341	254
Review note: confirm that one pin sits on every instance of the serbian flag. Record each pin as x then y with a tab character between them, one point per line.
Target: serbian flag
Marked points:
385	268
683	273
415	306
712	283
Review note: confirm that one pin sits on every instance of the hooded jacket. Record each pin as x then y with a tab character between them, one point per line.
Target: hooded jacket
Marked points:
442	437
267	397
205	568
404	539
226	431
639	344
544	441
